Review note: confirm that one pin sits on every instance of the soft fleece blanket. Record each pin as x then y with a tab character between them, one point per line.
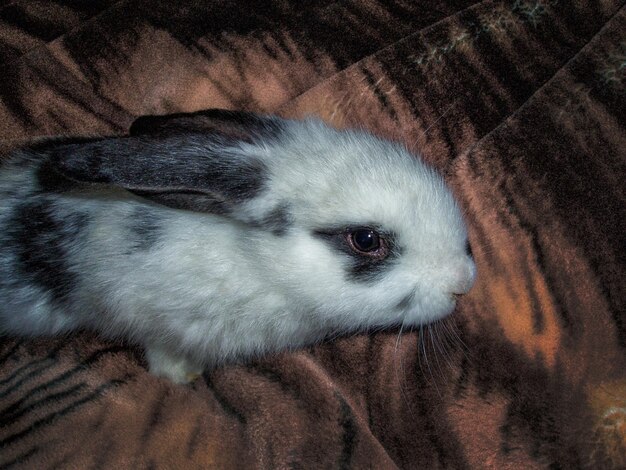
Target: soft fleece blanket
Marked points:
521	104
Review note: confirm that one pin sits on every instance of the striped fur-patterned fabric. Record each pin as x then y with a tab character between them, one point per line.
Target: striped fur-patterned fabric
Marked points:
521	104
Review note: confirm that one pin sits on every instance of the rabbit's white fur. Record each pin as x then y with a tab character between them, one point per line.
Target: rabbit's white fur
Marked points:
213	288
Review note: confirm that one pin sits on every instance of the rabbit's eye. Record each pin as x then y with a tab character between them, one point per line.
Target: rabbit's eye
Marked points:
365	240
369	248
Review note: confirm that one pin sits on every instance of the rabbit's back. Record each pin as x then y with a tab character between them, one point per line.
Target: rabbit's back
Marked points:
35	276
105	259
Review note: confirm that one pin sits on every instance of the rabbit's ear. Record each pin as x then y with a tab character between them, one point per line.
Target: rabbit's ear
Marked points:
235	125
191	171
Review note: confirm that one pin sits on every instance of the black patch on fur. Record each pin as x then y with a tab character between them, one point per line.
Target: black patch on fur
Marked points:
52	181
277	221
145	228
237	182
468	249
233	125
196	202
362	268
40	240
48	144
174	170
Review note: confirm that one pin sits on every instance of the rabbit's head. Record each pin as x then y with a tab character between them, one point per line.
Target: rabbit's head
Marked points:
354	231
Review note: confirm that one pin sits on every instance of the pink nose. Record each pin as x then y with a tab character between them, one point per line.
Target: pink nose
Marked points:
463	277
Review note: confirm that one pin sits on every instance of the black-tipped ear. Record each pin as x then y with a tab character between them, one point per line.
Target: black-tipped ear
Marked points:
235	125
192	172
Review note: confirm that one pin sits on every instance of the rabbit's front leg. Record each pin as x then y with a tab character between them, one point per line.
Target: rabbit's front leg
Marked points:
178	369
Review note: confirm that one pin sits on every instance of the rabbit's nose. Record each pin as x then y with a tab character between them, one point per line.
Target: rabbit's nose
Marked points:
463	277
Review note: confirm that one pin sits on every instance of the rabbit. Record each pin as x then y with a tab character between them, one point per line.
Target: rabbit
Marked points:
219	236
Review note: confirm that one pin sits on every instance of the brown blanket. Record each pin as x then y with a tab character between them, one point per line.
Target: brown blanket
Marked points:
521	104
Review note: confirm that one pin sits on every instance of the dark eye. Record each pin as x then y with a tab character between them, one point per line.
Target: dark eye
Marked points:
365	240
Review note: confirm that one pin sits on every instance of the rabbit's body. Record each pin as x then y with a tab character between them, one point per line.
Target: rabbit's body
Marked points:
224	243
136	270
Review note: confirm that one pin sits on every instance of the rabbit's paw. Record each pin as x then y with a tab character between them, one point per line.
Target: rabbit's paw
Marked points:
176	368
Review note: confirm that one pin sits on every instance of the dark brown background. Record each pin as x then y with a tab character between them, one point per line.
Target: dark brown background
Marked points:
520	103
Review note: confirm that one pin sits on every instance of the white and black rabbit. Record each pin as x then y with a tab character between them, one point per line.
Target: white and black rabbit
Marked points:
218	235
